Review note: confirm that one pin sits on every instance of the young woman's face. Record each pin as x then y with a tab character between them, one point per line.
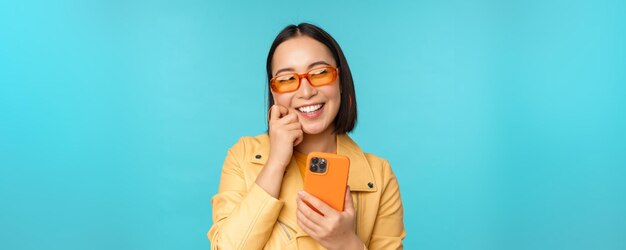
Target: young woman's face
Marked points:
300	55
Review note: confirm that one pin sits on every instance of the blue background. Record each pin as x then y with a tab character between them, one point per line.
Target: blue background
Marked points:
503	120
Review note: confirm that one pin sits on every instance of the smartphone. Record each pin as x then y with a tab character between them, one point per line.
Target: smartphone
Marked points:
326	178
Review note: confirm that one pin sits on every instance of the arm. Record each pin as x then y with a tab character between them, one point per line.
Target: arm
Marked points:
389	230
242	218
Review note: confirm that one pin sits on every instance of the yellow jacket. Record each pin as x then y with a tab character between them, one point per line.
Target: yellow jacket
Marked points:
247	217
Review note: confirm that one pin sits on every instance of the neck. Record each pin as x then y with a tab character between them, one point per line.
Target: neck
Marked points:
322	142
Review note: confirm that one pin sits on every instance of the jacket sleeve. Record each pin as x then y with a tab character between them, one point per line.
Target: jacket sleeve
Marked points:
243	218
389	231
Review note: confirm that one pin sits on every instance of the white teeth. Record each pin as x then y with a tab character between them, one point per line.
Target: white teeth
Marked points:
308	109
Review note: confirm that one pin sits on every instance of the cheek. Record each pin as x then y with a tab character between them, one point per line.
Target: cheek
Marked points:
333	94
282	99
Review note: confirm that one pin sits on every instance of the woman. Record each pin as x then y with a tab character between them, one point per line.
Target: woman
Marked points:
260	203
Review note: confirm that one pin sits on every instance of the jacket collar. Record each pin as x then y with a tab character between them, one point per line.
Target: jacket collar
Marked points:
360	178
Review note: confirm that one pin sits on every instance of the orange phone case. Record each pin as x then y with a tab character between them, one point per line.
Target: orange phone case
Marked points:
329	186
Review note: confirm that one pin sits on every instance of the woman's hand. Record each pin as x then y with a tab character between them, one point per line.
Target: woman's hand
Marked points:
332	229
285	133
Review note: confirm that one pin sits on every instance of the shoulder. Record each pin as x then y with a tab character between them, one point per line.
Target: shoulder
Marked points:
381	170
375	160
252	141
380	166
385	177
247	145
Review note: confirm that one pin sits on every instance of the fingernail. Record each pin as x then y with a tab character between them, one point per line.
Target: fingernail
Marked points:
300	193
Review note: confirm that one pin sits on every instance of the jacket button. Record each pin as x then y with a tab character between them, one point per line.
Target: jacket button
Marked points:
371	185
257	156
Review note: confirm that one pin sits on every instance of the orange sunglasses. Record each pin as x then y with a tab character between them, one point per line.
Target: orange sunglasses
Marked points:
291	81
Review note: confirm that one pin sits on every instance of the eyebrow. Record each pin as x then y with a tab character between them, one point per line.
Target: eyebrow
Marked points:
310	66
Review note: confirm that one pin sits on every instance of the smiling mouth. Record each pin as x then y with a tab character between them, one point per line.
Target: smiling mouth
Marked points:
310	108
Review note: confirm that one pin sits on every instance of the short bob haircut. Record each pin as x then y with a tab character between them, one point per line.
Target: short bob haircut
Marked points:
346	116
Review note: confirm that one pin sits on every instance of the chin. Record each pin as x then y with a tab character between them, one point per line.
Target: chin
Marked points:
313	129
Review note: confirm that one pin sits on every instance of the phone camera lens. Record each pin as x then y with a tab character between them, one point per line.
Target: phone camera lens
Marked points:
313	168
315	160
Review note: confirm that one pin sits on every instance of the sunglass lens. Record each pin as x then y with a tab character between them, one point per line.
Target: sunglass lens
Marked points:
322	76
285	83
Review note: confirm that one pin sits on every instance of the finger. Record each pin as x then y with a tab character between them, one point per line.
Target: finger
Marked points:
309	212
307	230
306	224
348	205
274	112
277	111
299	139
293	126
317	203
282	110
289	118
295	134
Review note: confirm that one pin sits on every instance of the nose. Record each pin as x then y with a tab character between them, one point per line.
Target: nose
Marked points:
306	90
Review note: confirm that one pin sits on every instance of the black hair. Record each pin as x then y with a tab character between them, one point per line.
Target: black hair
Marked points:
346	116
